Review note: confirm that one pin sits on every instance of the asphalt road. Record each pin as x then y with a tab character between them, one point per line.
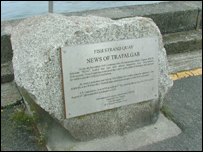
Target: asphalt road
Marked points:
184	102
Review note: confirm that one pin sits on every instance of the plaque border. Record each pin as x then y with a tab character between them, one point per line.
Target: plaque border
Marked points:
62	83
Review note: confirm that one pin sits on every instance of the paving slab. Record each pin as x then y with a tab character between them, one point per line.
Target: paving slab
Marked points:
161	130
10	94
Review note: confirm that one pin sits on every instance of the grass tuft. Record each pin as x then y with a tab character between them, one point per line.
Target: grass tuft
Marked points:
21	117
165	110
27	122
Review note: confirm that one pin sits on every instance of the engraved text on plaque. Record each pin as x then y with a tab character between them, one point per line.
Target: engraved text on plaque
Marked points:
106	75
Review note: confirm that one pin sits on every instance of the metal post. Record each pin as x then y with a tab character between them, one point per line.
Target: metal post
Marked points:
50	6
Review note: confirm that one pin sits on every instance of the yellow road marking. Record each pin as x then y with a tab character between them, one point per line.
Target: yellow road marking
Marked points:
173	76
186	74
189	73
197	71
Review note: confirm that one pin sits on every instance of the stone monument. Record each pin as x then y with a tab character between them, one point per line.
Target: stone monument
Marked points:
96	76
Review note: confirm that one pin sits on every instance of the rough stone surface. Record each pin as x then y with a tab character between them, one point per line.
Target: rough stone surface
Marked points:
36	62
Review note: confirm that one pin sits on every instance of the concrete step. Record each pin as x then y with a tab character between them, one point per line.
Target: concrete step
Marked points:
184	61
10	94
7	74
181	42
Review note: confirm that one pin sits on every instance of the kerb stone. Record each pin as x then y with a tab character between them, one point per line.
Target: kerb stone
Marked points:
37	69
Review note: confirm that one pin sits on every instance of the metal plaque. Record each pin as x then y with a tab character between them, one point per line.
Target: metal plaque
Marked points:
107	75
